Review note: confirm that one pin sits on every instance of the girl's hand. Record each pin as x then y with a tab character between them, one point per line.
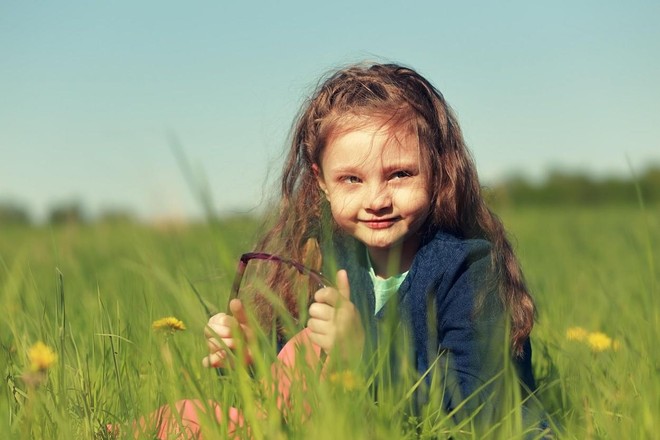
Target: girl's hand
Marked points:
228	329
334	321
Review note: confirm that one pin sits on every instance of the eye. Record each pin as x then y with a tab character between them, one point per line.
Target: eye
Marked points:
351	179
400	174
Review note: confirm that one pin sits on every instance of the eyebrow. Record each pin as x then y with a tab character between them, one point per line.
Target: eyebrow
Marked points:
413	166
409	166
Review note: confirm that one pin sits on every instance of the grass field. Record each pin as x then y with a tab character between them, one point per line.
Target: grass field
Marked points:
91	294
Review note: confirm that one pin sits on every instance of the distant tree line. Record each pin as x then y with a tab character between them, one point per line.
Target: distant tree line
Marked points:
559	188
12	213
66	213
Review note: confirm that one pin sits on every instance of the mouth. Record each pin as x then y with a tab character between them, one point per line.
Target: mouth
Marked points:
380	223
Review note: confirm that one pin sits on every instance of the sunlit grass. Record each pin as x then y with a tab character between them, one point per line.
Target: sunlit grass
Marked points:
91	294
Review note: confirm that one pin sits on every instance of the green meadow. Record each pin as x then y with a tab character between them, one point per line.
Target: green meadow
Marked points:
90	293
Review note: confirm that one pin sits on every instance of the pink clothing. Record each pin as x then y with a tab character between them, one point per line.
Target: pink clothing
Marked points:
184	419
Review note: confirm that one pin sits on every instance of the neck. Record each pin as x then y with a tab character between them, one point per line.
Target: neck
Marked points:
394	260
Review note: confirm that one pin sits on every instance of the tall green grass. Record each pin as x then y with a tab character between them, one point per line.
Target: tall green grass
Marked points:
92	292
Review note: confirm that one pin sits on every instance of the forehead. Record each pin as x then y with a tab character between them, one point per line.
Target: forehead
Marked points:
370	142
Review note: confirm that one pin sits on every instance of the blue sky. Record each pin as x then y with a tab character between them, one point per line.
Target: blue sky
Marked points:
90	91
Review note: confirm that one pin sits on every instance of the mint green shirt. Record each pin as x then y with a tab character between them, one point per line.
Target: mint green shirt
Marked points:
384	288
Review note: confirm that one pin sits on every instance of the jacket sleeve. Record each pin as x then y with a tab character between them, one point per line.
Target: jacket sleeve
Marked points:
470	329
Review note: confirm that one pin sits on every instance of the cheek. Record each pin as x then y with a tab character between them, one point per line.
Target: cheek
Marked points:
413	199
343	204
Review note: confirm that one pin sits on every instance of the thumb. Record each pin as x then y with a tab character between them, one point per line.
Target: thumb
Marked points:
238	311
343	286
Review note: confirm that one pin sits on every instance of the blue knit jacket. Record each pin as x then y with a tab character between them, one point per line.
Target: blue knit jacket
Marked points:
449	309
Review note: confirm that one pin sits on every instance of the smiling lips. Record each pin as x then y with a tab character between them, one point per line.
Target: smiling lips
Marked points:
380	223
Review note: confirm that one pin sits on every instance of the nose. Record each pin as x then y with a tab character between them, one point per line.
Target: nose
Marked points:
379	197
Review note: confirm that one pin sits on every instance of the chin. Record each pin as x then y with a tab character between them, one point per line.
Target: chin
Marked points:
382	246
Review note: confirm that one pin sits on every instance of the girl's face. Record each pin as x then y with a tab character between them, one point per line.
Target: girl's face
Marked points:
377	189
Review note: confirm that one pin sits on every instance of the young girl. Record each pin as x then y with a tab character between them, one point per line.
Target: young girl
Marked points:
379	182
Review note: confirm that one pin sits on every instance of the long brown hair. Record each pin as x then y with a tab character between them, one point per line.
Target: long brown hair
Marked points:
404	100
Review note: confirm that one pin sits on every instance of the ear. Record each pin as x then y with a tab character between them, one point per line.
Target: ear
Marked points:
319	178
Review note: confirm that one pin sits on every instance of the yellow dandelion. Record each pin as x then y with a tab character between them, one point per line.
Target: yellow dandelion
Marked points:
169	323
346	379
576	334
599	341
41	357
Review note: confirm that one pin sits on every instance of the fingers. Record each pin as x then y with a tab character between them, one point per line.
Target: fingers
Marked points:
322	340
221	359
330	314
215	360
333	296
322	311
225	331
217	344
322	332
329	296
221	325
320	326
218	333
238	311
